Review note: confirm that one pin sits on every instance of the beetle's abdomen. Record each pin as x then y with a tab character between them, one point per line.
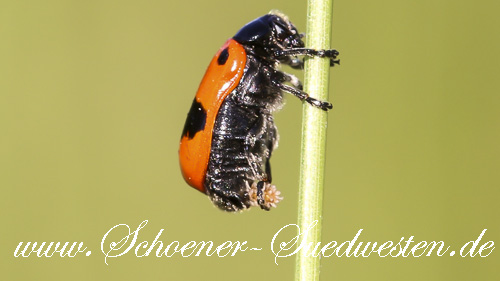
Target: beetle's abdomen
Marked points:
242	142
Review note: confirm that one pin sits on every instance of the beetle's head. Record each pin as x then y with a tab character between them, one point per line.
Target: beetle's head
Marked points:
265	35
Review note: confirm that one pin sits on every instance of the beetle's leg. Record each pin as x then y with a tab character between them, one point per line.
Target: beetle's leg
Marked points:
334	62
324	105
268	168
254	134
307	52
265	133
298	63
297	91
260	196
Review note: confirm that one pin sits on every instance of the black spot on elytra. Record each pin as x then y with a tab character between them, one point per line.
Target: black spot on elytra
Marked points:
196	119
223	57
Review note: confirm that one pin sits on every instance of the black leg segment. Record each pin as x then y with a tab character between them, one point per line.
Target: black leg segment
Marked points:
296	63
296	90
307	52
260	196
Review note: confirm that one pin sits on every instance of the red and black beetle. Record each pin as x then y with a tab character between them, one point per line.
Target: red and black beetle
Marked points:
229	134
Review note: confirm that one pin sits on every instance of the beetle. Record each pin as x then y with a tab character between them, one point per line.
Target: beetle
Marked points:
229	134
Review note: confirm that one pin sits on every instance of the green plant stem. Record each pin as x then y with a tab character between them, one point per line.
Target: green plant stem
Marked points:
314	123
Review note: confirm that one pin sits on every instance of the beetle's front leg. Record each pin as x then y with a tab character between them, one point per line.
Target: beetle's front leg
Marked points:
297	63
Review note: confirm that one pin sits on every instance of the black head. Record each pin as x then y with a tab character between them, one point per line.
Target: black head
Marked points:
269	33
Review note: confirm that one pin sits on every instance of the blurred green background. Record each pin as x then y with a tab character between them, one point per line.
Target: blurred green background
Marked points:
93	99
